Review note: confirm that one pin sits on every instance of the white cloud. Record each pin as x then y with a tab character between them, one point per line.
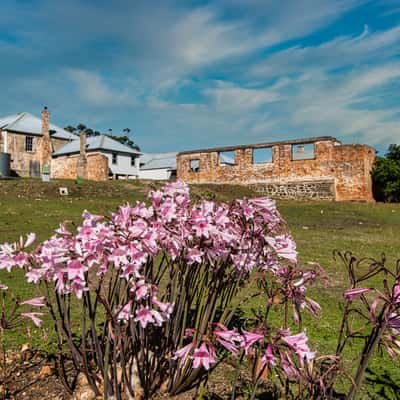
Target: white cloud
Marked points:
339	52
229	97
93	89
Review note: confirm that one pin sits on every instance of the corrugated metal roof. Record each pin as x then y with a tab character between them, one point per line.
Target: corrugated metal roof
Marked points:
25	122
100	142
158	161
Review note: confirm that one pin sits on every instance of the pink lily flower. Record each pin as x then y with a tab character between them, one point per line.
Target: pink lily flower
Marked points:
353	293
299	343
249	339
183	353
268	358
124	312
30	239
228	339
34	317
36	302
144	316
204	356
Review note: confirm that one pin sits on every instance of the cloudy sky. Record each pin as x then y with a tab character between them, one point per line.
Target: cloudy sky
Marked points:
189	74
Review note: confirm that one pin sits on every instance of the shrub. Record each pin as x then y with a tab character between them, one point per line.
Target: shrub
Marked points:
386	176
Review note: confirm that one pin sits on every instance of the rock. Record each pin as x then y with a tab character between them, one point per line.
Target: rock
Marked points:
45	371
84	393
81	380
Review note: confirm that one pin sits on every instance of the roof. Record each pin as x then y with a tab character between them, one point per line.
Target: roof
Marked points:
266	144
25	122
100	142
158	161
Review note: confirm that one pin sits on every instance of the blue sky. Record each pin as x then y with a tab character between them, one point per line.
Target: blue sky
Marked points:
194	74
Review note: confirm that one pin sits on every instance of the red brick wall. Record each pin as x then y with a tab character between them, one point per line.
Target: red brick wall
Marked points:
349	166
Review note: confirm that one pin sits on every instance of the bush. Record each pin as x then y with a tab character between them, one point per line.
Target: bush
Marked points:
386	176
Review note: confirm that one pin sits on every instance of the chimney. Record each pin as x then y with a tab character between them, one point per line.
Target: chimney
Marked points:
82	149
46	123
81	167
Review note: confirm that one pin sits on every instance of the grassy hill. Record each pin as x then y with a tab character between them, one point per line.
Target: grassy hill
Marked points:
318	227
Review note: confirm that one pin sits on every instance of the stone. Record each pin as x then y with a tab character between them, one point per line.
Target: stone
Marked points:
335	171
66	167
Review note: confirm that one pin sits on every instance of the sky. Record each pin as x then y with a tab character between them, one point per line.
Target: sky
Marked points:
193	74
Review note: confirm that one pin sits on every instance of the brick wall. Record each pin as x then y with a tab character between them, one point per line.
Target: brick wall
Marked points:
346	167
65	167
25	163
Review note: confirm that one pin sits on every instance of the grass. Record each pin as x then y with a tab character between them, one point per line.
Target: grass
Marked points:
318	227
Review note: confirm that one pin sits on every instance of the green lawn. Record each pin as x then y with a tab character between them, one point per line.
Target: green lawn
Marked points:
318	227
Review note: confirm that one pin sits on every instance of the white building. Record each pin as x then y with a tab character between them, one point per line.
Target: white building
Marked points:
157	166
123	161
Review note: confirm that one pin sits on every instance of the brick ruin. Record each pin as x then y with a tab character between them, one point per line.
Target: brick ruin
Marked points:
70	167
314	168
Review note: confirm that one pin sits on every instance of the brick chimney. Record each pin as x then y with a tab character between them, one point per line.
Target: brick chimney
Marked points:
82	149
45	147
81	168
45	122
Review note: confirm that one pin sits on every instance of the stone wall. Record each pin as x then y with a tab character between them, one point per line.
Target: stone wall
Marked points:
347	166
317	190
25	163
65	167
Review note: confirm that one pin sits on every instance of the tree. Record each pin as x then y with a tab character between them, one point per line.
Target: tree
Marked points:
393	152
124	139
70	128
386	176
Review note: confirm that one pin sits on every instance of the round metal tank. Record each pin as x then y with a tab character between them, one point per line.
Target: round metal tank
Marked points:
4	165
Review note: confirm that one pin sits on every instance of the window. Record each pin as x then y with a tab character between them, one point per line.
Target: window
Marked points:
133	161
226	158
28	143
303	151
194	165
262	155
114	158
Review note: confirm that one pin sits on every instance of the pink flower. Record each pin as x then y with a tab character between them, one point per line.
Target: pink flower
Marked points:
288	366
36	302
353	293
30	239
124	313
285	247
396	292
250	338
268	358
183	353
34	317
3	287
144	316
299	344
204	356
76	269
229	339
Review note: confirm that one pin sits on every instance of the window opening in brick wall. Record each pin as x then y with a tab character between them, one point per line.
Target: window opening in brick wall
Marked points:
303	151
194	165
28	143
227	158
262	155
114	158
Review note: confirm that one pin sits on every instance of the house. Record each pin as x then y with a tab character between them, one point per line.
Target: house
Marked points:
157	166
30	141
311	168
95	158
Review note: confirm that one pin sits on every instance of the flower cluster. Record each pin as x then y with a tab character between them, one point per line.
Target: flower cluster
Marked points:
206	251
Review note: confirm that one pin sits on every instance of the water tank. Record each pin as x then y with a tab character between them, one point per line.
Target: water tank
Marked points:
4	165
